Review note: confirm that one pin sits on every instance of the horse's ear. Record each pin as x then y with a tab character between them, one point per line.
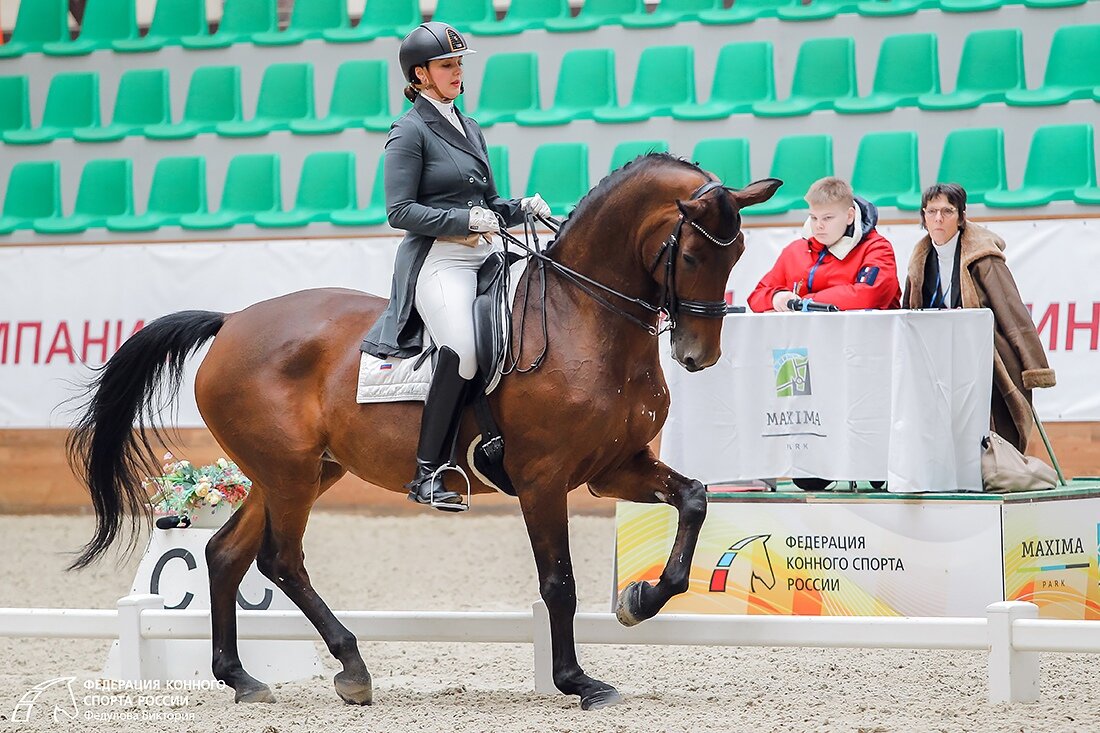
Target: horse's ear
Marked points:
690	209
756	192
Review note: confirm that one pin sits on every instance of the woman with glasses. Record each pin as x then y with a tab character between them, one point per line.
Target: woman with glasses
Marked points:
960	264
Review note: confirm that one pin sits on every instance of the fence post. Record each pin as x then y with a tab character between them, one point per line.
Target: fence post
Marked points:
134	651
544	649
1013	676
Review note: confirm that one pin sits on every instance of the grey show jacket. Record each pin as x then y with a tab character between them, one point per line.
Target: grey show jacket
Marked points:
433	177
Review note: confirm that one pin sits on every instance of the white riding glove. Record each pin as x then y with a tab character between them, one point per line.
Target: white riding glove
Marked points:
535	205
483	221
781	299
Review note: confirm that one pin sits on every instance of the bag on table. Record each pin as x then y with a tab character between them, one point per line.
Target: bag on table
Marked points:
1005	469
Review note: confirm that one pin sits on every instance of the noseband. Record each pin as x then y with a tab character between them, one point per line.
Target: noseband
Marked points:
671	304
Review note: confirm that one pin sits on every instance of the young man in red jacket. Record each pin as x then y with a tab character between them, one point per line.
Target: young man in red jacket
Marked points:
840	260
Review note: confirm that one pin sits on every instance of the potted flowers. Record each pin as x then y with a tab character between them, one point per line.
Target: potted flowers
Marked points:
196	496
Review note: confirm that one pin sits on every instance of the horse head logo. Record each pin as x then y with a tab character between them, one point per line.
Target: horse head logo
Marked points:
759	565
64	709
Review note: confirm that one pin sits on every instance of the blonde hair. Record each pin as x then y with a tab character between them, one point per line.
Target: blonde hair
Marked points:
830	190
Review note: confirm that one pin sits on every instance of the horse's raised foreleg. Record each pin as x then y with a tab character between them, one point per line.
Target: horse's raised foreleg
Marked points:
229	553
281	559
548	527
644	479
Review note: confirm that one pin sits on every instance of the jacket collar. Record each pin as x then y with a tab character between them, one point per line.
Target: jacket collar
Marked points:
444	129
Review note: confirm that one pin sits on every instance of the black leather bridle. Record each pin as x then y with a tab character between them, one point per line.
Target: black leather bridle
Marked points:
670	305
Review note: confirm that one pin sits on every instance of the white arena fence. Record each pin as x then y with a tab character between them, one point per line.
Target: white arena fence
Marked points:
1011	633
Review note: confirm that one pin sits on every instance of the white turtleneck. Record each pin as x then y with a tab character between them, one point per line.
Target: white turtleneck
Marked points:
447	109
945	253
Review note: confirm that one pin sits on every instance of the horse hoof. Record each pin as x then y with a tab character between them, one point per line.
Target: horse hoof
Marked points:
629	600
601	699
354	691
258	694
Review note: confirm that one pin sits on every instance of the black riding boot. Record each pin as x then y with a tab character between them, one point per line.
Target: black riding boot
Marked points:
438	429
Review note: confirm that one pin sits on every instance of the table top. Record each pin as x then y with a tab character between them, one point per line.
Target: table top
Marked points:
1087	487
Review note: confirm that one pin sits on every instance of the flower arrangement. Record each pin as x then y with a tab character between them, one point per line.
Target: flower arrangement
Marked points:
184	488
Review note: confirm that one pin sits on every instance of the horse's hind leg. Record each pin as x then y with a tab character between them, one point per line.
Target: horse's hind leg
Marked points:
548	527
644	479
229	554
281	559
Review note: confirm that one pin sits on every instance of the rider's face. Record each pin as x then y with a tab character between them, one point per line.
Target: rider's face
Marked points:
444	77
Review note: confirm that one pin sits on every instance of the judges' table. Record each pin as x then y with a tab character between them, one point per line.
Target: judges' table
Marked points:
897	396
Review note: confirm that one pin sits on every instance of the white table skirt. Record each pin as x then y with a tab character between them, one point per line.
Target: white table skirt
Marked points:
900	396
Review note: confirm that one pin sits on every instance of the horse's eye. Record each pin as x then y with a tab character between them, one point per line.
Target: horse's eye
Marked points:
689	260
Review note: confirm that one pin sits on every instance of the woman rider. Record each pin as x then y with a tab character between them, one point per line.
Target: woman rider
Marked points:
440	190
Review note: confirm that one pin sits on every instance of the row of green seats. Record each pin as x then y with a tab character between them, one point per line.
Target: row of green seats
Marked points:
1060	167
991	70
42	25
177	196
360	98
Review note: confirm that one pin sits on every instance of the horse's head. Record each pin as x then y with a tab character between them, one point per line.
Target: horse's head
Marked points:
693	266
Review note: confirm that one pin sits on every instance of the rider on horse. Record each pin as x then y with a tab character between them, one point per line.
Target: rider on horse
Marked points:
440	190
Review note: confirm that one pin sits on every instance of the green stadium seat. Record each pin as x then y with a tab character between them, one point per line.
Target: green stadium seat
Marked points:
308	20
1053	3
213	96
379	18
241	19
596	13
725	157
360	91
970	6
888	8
743	11
34	192
286	95
39	22
798	161
173	21
461	14
817	9
375	213
992	63
586	82
327	184
974	159
1061	159
887	167
142	100
15	113
105	21
510	84
665	78
72	102
523	15
1073	69
498	164
1087	195
743	76
178	189
559	173
251	187
825	72
670	12
106	190
908	66
628	151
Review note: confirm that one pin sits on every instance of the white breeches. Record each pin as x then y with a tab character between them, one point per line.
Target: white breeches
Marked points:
445	292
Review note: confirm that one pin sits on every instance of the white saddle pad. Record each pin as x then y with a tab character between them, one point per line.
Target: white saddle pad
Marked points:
400	380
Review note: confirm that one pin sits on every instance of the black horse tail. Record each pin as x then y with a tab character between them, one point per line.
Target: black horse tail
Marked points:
109	448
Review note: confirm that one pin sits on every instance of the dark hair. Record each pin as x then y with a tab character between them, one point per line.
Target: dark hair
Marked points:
411	92
955	195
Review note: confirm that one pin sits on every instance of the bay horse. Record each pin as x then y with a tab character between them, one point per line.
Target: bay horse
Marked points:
277	391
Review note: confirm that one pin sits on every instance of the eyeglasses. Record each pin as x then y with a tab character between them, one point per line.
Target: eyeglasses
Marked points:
944	213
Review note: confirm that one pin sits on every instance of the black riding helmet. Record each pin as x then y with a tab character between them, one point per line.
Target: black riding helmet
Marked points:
428	42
